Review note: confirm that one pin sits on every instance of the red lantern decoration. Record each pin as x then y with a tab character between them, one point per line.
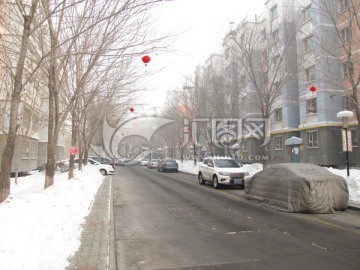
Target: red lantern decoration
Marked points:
146	59
73	150
312	88
132	109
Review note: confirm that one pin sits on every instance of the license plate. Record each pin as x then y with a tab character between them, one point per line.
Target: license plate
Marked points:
237	182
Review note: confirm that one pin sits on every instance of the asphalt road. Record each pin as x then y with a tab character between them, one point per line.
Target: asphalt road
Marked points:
169	221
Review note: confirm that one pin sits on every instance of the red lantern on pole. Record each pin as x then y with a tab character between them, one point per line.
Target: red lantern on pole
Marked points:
312	88
146	59
73	150
132	109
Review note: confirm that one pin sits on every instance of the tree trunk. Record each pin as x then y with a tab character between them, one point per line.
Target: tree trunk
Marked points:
52	138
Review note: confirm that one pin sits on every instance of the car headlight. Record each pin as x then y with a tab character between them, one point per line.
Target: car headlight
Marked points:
224	173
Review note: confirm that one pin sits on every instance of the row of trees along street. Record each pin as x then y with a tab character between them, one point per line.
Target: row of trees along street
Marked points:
261	67
72	63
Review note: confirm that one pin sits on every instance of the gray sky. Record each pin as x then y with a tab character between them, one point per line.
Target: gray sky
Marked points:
203	24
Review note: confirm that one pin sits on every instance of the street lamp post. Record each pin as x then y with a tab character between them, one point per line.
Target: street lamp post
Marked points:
344	116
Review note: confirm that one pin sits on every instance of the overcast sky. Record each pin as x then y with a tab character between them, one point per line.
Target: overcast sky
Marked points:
203	25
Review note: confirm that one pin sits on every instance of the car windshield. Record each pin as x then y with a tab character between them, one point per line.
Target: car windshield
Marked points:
170	161
226	163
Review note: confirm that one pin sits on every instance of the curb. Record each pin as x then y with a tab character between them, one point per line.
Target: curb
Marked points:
112	243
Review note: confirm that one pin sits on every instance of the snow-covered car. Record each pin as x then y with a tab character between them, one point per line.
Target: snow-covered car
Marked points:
153	164
105	169
299	188
221	171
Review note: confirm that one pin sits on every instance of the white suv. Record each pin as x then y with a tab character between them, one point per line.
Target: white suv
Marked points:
221	171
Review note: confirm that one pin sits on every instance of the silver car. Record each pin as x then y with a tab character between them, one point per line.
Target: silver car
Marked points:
153	164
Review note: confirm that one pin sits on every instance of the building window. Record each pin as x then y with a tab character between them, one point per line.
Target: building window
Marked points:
312	139
278	114
263	34
311	106
279	143
310	74
276	60
306	12
343	5
308	43
354	138
26	119
273	12
345	35
243	80
275	36
227	53
347	69
244	146
265	55
348	103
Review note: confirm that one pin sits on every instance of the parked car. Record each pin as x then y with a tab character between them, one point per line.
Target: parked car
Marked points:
153	164
121	161
168	165
104	160
144	162
221	171
105	169
299	188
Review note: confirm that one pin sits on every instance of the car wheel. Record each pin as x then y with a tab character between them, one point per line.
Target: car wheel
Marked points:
201	180
215	182
103	172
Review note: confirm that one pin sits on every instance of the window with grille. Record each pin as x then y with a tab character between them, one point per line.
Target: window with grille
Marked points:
345	35
354	138
263	34
311	106
343	5
310	74
26	121
279	143
348	103
312	139
274	12
278	114
308	43
244	146
347	69
276	60
306	12
275	36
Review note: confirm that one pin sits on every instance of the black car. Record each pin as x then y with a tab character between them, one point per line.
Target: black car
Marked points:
168	165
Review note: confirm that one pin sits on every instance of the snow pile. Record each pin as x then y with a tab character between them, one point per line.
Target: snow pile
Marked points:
44	226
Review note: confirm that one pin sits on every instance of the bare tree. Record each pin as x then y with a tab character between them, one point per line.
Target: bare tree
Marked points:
89	38
267	67
341	46
63	24
28	14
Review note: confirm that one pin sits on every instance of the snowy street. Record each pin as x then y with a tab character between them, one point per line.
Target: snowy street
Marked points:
40	229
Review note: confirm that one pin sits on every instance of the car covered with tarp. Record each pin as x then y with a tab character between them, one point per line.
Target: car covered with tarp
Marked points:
299	187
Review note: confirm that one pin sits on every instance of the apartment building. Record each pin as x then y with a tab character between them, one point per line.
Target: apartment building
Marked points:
297	45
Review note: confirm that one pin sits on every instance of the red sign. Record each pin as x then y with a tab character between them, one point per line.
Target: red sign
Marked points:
73	150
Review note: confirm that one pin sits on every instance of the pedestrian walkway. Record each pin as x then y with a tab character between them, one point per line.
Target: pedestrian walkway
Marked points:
96	249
